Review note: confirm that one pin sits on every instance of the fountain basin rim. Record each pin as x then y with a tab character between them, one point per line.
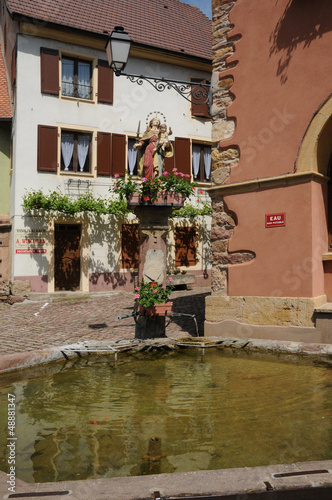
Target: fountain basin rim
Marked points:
27	359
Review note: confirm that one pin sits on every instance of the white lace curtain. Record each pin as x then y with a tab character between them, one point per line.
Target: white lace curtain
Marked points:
207	162
83	143
67	77
132	157
67	148
196	159
83	80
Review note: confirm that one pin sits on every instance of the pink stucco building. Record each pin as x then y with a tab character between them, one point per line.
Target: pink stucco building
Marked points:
272	129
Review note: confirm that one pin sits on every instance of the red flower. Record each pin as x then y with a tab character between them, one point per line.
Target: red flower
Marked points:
200	191
146	198
153	284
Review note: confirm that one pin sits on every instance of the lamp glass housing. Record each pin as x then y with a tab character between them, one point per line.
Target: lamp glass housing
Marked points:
117	49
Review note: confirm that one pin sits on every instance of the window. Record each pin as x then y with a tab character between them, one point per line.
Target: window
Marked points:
132	158
201	162
76	78
185	246
75	152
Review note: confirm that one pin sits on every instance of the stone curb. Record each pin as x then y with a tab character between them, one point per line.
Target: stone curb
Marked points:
237	481
21	360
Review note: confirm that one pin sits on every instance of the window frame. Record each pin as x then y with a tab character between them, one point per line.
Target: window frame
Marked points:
74	160
77	57
65	128
201	178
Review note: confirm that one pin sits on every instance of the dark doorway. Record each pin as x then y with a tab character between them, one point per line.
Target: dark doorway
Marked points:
67	262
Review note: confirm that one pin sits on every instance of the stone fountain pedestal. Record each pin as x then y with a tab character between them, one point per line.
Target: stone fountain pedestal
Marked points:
152	261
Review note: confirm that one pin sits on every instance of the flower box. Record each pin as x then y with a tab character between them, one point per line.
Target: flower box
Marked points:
164	198
163	309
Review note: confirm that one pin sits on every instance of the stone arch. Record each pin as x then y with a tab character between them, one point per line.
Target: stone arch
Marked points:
316	145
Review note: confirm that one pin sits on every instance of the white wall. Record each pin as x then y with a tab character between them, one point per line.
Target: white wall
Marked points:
132	103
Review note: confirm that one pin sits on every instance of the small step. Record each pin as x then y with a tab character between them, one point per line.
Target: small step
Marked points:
324	308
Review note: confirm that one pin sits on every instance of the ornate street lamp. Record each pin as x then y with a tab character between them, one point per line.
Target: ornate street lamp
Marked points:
117	50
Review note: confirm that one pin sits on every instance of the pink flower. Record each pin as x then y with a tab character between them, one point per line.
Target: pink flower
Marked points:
174	169
115	188
188	176
182	175
165	173
116	176
144	179
137	288
137	295
155	291
170	279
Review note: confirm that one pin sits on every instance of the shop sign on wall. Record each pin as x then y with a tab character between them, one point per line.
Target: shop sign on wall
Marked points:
275	220
30	241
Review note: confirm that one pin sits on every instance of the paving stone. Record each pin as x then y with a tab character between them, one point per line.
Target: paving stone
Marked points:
33	325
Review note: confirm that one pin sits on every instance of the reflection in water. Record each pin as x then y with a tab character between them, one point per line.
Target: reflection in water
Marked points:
230	409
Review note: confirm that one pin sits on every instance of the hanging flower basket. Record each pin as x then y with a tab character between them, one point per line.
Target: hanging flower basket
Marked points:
163	309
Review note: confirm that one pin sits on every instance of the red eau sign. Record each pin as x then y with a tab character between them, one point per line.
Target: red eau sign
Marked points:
275	220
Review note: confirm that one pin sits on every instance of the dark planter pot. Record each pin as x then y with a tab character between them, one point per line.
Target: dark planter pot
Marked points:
164	309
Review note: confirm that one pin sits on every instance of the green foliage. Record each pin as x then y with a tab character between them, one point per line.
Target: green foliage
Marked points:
190	212
149	294
177	182
125	188
58	202
149	187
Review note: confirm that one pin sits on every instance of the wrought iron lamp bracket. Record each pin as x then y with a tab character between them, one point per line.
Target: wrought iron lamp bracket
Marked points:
197	91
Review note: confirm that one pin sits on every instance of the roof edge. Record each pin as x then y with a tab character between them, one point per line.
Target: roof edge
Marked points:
32	20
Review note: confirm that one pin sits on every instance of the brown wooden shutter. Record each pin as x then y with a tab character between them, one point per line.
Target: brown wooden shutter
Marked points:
49	63
185	246
119	154
169	162
199	107
104	156
47	148
105	82
182	155
130	246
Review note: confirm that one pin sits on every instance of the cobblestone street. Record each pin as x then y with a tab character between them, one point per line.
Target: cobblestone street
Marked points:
33	325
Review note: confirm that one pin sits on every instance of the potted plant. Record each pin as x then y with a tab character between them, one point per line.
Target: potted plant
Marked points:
152	299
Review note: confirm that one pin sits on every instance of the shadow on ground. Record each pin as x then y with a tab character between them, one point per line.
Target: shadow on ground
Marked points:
193	305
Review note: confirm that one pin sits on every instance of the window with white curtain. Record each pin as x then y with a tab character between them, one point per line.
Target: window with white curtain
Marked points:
75	152
76	78
132	157
201	162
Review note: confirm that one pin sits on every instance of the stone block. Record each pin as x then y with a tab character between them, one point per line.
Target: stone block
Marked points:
303	310
267	311
20	287
15	299
223	130
219	308
223	220
219	281
219	246
4	287
219	175
219	233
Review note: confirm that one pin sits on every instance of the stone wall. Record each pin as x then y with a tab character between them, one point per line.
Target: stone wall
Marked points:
14	291
223	158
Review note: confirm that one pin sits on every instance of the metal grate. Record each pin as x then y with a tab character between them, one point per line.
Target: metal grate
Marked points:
39	494
301	473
